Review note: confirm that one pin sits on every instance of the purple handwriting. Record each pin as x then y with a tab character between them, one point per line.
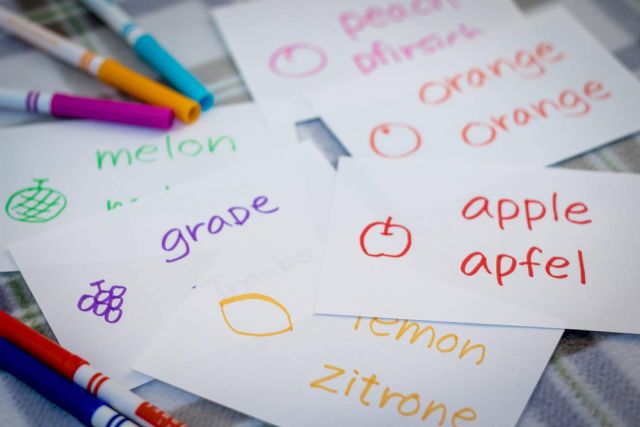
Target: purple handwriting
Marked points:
177	242
105	303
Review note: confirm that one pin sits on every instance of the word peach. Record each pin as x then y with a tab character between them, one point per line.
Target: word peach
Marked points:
378	17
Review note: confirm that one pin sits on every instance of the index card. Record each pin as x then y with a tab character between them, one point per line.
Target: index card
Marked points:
295	46
107	284
536	92
54	174
249	340
483	244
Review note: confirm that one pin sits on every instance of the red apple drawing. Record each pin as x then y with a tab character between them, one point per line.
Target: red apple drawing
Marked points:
298	60
395	140
392	240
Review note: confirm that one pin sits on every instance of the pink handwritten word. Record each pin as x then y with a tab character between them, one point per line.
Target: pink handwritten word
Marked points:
105	303
382	54
395	140
298	60
378	17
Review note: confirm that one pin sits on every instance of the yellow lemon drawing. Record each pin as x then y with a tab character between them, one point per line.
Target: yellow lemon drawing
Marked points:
255	315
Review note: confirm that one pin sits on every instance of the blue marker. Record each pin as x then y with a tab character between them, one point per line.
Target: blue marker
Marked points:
151	52
87	408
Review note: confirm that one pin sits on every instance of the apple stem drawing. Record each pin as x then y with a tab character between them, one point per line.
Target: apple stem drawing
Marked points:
386	231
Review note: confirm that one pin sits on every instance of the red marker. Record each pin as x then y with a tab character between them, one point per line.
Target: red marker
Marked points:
80	372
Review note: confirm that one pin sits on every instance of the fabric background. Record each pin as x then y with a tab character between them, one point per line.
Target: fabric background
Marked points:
592	379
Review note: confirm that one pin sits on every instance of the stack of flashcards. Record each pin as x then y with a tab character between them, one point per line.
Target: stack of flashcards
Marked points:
424	281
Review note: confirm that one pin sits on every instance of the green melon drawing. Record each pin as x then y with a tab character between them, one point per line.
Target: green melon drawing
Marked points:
36	204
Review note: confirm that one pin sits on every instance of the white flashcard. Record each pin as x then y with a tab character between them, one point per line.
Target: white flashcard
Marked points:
294	46
249	340
106	284
484	244
54	174
536	92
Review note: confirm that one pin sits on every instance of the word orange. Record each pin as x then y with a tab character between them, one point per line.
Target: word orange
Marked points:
532	210
525	64
506	264
569	103
407	405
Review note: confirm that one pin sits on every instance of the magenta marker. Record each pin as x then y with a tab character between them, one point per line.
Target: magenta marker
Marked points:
61	105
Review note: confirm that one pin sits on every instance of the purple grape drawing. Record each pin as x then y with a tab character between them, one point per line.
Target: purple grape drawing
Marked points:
105	303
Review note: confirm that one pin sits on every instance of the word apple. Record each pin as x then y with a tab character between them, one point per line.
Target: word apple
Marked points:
395	140
532	210
297	60
386	243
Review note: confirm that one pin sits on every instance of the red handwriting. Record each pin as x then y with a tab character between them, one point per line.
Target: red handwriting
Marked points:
395	140
379	17
570	103
382	54
525	64
531	210
506	264
388	243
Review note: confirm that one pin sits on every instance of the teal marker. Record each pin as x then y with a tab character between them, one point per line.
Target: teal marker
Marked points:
151	51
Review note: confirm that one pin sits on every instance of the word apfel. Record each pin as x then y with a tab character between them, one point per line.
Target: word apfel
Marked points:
505	265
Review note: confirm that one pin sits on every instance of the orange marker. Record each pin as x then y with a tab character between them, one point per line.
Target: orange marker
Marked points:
106	70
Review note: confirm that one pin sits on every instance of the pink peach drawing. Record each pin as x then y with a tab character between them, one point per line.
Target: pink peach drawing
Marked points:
298	60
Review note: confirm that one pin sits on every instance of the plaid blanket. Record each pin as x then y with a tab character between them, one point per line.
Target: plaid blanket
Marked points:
591	379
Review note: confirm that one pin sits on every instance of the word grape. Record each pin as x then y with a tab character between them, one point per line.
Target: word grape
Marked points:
177	240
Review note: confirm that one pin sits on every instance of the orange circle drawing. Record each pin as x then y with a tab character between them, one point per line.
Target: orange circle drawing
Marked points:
385	129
